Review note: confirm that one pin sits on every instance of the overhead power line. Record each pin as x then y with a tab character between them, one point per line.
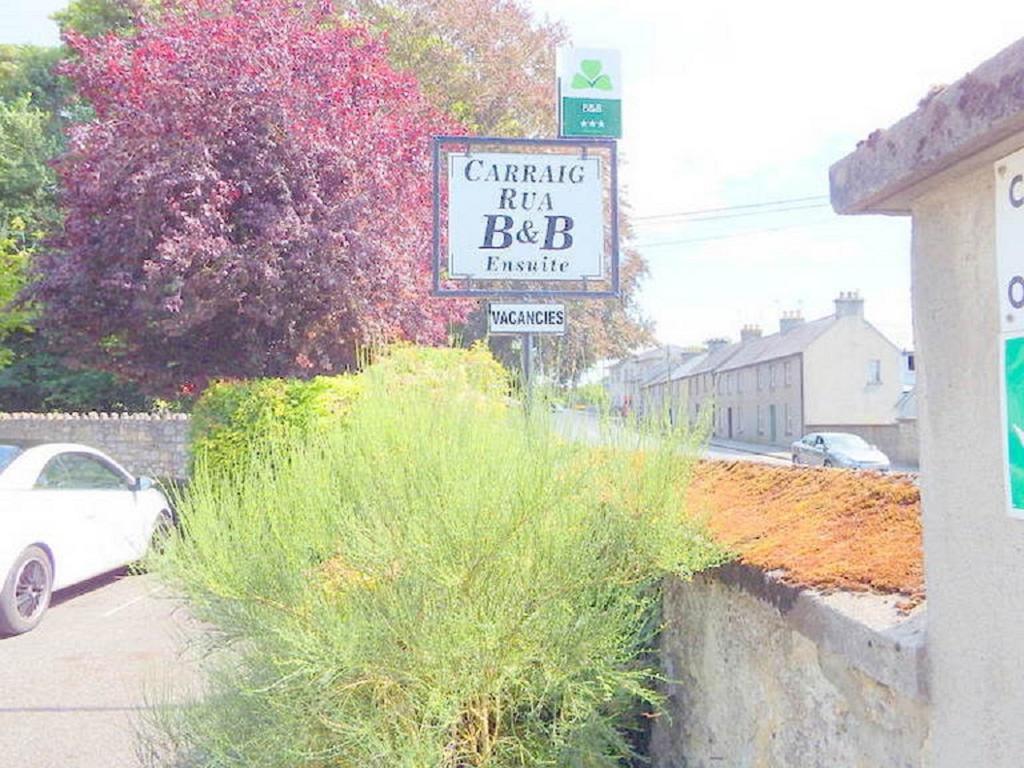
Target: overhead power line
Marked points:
746	233
718	217
700	211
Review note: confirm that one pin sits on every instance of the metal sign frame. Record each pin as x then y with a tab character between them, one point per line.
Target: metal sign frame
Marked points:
581	145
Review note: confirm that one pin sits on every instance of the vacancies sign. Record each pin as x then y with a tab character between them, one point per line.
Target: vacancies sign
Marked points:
525	217
525	318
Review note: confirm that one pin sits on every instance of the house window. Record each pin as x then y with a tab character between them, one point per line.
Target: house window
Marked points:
789	420
760	420
787	372
773	375
910	362
760	377
874	371
739	382
739	419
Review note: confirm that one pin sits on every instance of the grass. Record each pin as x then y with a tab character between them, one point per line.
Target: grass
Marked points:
442	582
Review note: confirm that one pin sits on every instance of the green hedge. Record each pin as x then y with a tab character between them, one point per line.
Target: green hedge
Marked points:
233	419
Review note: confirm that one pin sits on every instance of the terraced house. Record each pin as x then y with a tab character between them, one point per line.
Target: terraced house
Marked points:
836	373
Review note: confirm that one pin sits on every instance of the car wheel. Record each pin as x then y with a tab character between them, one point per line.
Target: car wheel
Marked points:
26	592
162	531
796	459
827	463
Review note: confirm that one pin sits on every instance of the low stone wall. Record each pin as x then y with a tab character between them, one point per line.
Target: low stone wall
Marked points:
146	444
763	675
898	441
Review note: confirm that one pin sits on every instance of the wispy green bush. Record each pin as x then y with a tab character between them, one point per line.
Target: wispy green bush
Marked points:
441	583
233	417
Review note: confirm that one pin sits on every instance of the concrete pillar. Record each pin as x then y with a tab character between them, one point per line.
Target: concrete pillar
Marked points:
937	165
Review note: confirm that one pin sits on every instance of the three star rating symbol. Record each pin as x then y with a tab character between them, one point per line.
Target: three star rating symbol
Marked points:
591	123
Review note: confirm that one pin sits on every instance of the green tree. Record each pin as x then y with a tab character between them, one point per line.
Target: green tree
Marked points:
97	17
489	63
14	260
27	207
36	105
31	71
27	182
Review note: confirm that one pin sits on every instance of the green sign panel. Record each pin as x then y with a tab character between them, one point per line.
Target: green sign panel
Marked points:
591	117
1013	382
590	92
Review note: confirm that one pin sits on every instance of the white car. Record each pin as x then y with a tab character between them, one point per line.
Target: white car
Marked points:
67	513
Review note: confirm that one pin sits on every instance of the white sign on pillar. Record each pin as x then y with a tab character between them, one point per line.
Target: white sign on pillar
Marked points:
1010	241
525	217
1009	189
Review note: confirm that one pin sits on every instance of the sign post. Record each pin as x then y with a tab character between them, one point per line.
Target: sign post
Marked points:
1009	189
589	87
535	218
526	320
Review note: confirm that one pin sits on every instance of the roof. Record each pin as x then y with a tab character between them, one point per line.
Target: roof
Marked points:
649	354
658	375
714	360
675	370
792	342
687	366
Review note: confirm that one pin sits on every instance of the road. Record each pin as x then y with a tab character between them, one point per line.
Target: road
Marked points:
74	691
586	426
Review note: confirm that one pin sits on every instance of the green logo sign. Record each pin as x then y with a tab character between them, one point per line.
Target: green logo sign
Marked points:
590	76
1014	394
591	92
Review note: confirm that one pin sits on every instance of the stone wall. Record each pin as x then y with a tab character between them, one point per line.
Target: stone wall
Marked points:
763	675
146	444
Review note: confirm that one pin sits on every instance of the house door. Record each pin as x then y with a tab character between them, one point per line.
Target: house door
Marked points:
729	416
771	422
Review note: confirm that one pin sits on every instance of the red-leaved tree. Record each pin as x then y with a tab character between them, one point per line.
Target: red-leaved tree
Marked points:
252	198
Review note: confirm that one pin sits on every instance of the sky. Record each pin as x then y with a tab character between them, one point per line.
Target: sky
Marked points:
739	103
743	103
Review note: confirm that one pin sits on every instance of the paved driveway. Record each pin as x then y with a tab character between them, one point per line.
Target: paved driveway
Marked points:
74	690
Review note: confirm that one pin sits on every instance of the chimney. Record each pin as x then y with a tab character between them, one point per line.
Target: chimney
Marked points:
749	333
714	345
790	320
849	304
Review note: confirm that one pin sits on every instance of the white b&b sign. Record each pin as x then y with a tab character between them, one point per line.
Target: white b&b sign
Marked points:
525	318
525	217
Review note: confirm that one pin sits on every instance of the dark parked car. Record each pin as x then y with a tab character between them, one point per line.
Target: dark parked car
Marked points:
838	449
